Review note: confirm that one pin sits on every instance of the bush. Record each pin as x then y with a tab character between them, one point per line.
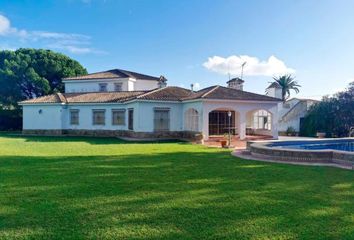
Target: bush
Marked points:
10	120
333	115
290	131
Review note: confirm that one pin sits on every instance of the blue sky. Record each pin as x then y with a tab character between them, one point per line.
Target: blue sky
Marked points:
195	41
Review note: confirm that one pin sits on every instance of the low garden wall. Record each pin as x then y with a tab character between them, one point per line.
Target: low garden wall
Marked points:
262	150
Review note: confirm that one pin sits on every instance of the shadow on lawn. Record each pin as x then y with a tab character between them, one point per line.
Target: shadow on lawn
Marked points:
87	139
180	195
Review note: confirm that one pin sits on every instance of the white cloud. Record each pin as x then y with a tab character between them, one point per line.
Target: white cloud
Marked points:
71	42
254	67
4	25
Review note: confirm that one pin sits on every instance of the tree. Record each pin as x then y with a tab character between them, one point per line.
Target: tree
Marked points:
333	115
28	73
287	83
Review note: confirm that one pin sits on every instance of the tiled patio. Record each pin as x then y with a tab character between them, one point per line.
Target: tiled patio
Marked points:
214	141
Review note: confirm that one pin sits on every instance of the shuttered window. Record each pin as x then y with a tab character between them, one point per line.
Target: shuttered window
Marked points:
118	87
98	117
74	117
102	87
161	119
118	117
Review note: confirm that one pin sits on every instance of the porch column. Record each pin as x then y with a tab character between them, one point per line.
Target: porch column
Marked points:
242	126
274	124
205	126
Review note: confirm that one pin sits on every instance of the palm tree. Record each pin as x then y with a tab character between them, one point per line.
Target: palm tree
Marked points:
286	83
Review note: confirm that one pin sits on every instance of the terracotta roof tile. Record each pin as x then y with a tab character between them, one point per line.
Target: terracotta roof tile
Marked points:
220	92
167	94
162	94
112	74
93	97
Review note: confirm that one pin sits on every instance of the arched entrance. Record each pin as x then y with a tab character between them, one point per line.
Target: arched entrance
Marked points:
259	122
221	121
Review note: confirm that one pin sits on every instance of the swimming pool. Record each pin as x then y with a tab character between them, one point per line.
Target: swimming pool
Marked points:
339	151
340	145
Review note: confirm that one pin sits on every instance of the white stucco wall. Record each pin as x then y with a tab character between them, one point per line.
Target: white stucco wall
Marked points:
58	116
145	85
295	123
274	92
128	84
93	86
197	106
47	117
85	117
145	115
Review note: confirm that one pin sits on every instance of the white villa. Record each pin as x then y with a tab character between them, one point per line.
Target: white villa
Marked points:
124	103
291	112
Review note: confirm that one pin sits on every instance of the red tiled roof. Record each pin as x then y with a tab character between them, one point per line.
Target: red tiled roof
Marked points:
112	74
92	97
225	93
162	94
167	94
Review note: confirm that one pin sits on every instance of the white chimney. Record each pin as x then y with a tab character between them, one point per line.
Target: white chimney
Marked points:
162	82
274	90
235	83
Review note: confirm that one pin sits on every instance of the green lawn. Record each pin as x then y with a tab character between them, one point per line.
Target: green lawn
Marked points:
87	188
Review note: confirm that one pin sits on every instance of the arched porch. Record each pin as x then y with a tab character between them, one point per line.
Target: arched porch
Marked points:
246	121
223	121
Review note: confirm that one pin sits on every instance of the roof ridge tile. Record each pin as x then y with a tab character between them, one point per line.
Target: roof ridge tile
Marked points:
150	92
210	91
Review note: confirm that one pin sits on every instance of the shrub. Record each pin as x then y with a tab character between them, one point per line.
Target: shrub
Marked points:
333	115
290	131
10	120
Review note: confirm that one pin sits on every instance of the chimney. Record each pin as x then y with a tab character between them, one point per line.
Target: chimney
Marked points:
274	90
162	82
235	83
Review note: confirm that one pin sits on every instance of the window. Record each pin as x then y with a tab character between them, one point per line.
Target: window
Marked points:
118	117
131	119
74	117
118	87
161	119
102	87
98	117
191	120
262	120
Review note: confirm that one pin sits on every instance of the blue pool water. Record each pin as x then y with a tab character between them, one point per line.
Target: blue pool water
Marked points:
340	144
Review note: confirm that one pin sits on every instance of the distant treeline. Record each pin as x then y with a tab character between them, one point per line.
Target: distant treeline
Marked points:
333	115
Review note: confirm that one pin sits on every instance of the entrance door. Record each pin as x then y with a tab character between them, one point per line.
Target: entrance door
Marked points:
131	119
219	122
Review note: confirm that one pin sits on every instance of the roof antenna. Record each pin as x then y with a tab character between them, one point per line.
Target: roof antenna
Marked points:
228	71
242	66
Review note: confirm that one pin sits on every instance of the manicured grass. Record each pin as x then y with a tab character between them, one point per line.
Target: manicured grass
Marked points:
86	188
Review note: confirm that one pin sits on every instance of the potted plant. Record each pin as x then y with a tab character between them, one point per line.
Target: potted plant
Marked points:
224	141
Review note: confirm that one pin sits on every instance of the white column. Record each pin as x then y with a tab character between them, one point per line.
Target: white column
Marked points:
242	126
205	122
274	124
